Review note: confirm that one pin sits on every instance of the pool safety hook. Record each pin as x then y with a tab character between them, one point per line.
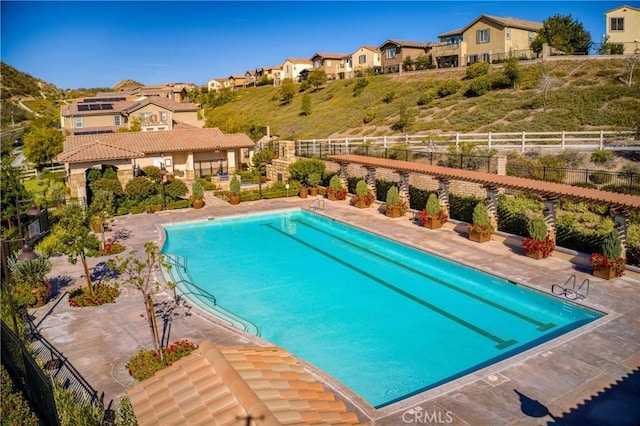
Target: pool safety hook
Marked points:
569	290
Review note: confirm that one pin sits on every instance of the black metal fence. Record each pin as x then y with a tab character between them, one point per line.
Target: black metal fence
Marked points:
628	183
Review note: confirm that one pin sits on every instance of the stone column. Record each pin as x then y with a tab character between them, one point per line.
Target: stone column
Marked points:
550	218
404	187
370	178
621	222
443	194
343	174
492	205
501	164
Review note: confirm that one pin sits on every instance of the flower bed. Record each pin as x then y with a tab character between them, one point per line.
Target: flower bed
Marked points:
600	261
146	362
101	294
545	247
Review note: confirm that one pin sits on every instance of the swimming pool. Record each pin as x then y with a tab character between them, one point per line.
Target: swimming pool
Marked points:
385	319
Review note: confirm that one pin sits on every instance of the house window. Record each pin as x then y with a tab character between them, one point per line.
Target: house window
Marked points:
486	57
163	116
328	62
472	59
617	24
507	33
319	63
482	36
391	52
116	120
362	59
78	122
145	117
453	40
532	36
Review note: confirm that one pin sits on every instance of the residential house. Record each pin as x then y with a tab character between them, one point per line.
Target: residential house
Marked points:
229	385
367	59
336	65
112	112
292	67
396	52
486	38
269	75
250	78
186	153
236	80
217	84
623	26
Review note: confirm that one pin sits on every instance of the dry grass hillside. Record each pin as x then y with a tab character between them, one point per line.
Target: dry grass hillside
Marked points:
586	94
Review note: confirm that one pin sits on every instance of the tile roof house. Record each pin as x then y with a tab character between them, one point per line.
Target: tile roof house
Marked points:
366	59
217	84
486	38
115	111
227	385
395	52
623	26
292	67
336	65
186	153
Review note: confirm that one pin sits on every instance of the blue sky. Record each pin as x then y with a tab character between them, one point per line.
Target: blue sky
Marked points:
96	44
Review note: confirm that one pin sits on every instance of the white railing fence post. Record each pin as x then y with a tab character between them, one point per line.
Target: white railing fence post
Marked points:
524	140
489	139
601	139
562	144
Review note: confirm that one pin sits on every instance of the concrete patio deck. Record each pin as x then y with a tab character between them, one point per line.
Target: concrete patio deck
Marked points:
562	381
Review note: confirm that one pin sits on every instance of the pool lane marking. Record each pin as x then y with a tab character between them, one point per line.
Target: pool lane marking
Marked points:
501	342
540	325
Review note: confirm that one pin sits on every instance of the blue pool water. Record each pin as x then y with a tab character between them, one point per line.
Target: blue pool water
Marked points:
385	319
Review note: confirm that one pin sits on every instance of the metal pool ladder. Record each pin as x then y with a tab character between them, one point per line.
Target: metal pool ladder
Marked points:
569	290
317	204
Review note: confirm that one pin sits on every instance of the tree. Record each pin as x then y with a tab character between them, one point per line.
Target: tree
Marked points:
631	63
139	273
42	144
265	155
511	71
317	78
306	104
287	90
564	34
74	236
101	211
406	117
547	82
11	189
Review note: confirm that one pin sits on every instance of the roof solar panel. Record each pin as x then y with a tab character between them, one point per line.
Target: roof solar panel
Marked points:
106	106
94	107
83	107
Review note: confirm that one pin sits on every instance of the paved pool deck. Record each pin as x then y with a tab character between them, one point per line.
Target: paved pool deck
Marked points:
587	376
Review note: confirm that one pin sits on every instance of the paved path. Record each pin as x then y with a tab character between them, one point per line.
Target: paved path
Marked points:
543	385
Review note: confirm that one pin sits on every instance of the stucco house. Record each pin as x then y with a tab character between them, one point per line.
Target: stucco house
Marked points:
395	52
114	111
292	67
486	38
366	59
236	80
336	65
216	84
623	26
187	153
272	75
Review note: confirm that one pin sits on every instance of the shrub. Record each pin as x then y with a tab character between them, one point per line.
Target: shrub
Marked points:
362	188
369	116
361	83
479	86
153	173
393	196
139	188
207	185
389	97
477	69
537	229
15	408
147	362
448	87
137	209
611	246
234	185
433	205
124	413
180	204
335	183
175	188
101	294
600	177
601	156
110	185
427	97
480	219
122	211
197	192
301	170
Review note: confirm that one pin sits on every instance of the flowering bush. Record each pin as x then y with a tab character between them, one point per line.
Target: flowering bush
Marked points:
546	246
146	362
441	216
101	294
111	247
600	261
368	198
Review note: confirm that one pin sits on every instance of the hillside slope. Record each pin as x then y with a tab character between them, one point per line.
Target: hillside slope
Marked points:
585	94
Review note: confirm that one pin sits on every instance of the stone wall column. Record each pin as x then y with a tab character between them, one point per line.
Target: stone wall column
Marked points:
550	218
370	178
501	164
344	175
404	187
621	222
491	201
443	194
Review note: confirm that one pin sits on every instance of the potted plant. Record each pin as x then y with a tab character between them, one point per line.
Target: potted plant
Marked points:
234	190
313	180
197	194
364	197
433	216
538	245
481	229
30	285
301	171
610	263
335	190
394	206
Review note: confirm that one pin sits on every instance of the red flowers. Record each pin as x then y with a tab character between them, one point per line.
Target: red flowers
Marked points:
600	261
441	216
546	246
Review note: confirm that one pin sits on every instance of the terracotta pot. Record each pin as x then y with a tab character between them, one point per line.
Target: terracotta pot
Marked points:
303	192
432	223
198	203
96	228
479	237
605	273
536	254
313	191
361	204
234	199
392	211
